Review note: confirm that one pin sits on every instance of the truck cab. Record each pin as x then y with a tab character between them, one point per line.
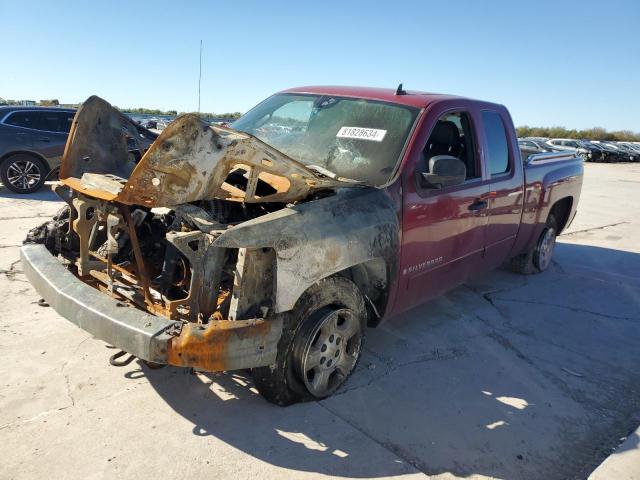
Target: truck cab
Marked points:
457	231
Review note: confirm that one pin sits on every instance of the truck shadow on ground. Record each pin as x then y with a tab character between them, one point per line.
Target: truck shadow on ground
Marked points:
507	377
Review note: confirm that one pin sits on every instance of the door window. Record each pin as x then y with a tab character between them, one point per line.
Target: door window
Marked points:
452	135
51	121
67	120
497	148
21	119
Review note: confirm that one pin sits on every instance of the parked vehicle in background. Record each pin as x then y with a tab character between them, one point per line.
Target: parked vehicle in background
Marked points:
566	144
612	154
635	147
320	212
32	141
530	147
590	152
627	153
534	144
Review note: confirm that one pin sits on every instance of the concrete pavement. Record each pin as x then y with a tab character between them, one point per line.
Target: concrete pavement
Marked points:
506	377
623	463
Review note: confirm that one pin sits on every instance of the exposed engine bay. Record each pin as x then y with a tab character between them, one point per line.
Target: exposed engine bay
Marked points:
158	259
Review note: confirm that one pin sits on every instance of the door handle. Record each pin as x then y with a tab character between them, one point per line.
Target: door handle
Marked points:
45	139
478	205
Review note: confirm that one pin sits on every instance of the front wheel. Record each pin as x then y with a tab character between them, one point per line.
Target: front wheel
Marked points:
22	173
320	345
327	350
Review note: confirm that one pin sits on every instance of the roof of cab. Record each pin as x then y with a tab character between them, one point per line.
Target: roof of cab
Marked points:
411	98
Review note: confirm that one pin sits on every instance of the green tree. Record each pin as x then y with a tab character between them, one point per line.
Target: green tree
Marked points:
595	133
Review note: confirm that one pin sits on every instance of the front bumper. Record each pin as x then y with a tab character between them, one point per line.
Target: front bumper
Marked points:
218	346
132	330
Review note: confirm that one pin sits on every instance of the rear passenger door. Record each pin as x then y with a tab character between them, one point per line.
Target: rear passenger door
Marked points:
51	136
506	193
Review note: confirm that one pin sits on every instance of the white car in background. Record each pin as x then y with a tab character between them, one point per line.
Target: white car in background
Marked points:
568	144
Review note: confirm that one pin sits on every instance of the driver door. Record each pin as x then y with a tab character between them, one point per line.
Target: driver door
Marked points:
443	229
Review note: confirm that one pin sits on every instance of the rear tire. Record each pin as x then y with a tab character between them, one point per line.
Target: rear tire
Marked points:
539	257
23	173
323	335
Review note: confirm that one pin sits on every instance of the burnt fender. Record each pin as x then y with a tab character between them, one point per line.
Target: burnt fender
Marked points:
316	239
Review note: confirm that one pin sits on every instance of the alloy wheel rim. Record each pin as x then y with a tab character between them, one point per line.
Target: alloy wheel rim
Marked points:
23	174
331	352
546	248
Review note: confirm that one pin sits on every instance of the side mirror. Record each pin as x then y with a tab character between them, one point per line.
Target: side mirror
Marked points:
444	171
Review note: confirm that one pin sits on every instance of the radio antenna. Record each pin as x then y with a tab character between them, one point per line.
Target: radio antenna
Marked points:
200	76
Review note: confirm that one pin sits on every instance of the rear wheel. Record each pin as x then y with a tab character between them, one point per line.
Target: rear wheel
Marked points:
22	173
539	257
320	345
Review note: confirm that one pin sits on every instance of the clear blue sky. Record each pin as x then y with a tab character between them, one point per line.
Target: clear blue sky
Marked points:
573	63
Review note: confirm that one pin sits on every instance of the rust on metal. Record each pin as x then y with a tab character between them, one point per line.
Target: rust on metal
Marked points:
76	184
137	253
225	344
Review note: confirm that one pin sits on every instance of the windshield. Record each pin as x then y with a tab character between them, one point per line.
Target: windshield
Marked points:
353	138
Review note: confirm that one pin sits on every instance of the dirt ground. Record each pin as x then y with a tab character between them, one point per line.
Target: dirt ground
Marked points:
506	377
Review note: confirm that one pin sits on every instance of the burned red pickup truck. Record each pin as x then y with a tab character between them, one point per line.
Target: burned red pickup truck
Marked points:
272	244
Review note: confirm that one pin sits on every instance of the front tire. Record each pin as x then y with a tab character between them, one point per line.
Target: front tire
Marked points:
22	173
320	346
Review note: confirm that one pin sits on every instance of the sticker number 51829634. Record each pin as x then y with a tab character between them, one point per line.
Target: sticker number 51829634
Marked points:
371	134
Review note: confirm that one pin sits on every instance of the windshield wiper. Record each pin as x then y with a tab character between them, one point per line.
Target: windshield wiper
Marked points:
328	173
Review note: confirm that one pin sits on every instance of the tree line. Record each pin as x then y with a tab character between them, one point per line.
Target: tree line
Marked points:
140	111
156	111
595	133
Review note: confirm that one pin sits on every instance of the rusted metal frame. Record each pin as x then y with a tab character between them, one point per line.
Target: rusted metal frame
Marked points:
67	194
114	266
137	253
253	283
223	345
127	288
211	280
206	271
199	218
122	290
83	227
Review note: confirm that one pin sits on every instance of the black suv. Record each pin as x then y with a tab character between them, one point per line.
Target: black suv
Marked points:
32	141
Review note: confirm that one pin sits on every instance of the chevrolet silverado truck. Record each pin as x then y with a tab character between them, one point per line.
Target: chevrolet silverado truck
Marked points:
272	244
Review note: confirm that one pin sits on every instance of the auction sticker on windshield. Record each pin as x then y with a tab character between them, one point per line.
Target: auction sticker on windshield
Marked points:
371	134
